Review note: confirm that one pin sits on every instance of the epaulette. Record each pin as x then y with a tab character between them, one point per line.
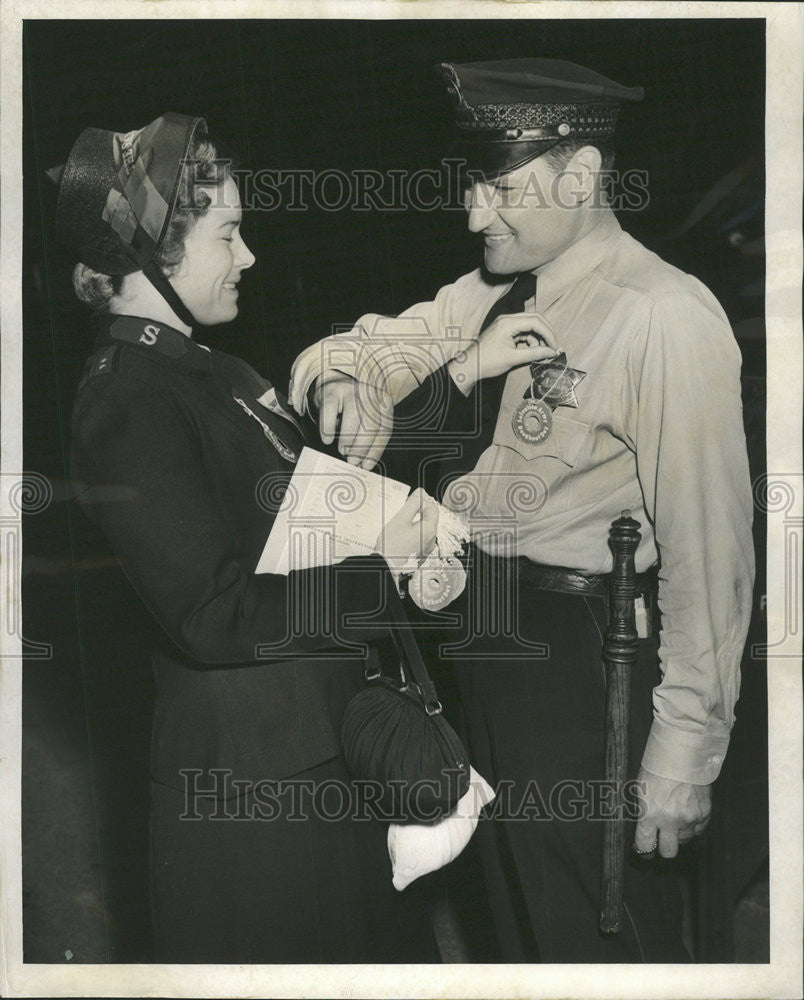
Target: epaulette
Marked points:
103	363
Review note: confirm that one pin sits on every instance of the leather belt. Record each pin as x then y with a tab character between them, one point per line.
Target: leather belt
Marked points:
560	578
570	581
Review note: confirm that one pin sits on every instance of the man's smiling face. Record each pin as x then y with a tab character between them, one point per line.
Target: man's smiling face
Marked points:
527	217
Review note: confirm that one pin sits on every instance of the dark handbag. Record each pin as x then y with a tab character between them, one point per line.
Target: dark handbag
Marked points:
395	737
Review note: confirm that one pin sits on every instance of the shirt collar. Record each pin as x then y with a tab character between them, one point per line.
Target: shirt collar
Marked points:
575	262
157	338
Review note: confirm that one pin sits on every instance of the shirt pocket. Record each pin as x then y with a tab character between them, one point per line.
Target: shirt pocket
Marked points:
535	476
564	443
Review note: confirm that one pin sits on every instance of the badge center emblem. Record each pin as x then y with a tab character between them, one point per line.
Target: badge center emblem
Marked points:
533	421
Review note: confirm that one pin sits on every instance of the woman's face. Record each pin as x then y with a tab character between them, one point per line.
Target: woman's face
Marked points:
214	258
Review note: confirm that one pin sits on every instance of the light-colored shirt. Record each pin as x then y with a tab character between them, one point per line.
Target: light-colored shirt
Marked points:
658	431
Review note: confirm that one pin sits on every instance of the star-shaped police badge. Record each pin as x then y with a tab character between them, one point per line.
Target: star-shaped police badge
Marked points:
552	384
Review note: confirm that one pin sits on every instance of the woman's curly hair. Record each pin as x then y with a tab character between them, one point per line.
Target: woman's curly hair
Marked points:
201	168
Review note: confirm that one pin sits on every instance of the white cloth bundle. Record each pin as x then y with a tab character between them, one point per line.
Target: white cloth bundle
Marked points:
418	848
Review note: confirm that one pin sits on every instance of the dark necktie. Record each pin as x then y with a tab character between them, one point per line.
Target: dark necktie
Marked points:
490	390
513	301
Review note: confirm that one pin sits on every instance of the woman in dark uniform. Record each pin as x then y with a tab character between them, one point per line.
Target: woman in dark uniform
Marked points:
259	850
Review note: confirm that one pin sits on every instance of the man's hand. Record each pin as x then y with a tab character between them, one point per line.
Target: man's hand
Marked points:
510	341
671	813
359	415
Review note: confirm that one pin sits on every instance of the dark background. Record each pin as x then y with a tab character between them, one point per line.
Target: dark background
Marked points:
318	95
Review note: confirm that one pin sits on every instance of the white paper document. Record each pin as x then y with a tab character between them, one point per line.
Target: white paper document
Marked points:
331	510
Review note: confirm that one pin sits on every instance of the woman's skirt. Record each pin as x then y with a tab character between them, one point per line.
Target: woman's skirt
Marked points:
283	872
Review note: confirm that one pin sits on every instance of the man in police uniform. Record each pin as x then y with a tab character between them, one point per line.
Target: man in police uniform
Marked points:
640	409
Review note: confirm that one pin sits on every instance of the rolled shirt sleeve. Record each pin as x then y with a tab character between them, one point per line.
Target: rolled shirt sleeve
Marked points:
686	415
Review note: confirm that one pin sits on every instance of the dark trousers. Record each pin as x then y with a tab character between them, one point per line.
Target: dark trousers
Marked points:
532	686
232	883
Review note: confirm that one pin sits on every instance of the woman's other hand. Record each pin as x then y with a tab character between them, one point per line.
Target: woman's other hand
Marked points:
410	532
509	342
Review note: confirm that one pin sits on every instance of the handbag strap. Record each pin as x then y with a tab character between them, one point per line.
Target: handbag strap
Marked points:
410	654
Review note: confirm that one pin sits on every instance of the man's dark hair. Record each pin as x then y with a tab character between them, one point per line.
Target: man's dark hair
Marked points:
559	155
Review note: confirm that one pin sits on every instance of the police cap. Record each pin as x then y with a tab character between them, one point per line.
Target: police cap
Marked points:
516	109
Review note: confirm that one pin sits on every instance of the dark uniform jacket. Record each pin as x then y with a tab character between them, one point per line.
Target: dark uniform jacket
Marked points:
254	670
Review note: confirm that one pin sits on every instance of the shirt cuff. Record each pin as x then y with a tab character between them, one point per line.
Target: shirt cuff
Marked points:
681	756
462	370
